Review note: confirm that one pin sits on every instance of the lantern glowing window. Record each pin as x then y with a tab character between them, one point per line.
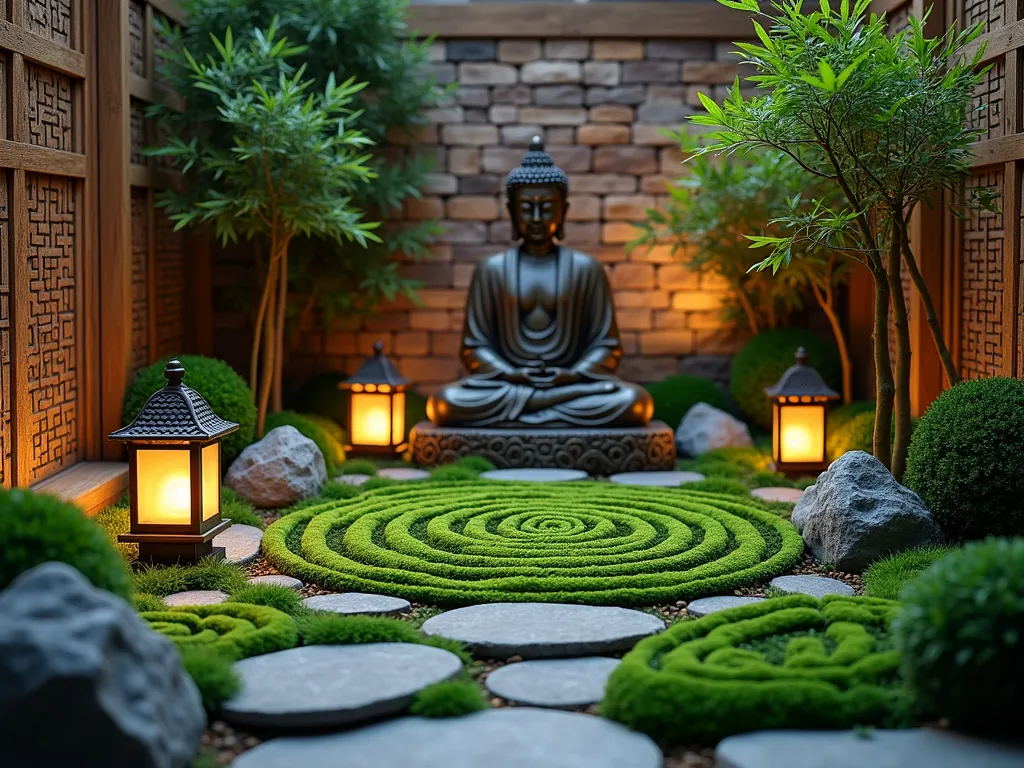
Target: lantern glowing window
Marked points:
174	463
376	406
800	401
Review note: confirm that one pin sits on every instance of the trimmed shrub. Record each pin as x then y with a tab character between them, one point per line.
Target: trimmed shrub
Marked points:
334	490
284	599
333	451
226	392
767	356
886	577
466	468
164	580
675	395
146	603
451	698
966	459
36	528
766	479
789	662
379	482
115	520
358	467
594	543
720	485
213	674
852	428
233	630
961	633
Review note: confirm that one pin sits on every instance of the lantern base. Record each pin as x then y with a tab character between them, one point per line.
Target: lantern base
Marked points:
800	470
158	553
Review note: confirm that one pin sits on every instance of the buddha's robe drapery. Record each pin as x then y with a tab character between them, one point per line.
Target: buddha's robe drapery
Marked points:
582	337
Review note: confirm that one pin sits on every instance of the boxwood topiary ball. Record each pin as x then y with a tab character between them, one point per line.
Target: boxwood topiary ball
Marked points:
225	391
36	529
767	356
675	395
966	459
961	634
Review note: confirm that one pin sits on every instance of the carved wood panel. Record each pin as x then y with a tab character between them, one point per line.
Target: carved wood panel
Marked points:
172	324
50	18
136	42
50	108
5	335
137	115
982	285
140	279
986	112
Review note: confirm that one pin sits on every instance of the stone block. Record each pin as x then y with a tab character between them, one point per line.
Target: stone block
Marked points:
673	94
671	342
518	51
476	116
654	135
656	184
437	51
611	113
627	207
634	160
445	344
422	208
677	277
462	274
464	161
471	254
697	300
430	370
618	50
480	184
619	232
706	321
602	183
664	112
472	208
566	49
519	135
553	115
390	321
470	135
499	233
487	73
714	367
716	72
439	184
650	72
429	320
431	298
635	299
693	94
602	73
582	232
462	232
633	319
340	343
548	72
603	133
443	115
365	342
412	343
670	319
443	73
584	208
472	50
501	114
630	276
670	161
559	136
434	154
412	135
473	96
558	95
679	50
618	94
572	159
647	369
518	94
723	341
500	159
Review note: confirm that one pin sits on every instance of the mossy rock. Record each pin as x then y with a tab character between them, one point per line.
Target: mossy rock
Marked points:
329	438
789	662
675	395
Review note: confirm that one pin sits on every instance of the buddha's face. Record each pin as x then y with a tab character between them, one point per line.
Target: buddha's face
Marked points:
538	212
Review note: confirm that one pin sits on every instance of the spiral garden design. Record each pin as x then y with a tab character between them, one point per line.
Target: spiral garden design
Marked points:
238	630
473	542
788	662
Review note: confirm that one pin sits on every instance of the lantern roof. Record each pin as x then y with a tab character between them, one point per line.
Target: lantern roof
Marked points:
800	380
377	369
175	413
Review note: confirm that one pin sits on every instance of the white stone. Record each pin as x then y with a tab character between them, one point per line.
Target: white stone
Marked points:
357	603
666	479
706	605
279	470
705	428
788	495
558	683
815	586
277	580
403	474
196	597
539	475
241	543
356	480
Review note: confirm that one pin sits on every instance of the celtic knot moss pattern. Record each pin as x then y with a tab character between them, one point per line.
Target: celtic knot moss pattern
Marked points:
474	542
238	630
787	662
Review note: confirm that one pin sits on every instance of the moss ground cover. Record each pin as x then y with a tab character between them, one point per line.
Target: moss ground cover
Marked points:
233	630
886	577
473	541
788	662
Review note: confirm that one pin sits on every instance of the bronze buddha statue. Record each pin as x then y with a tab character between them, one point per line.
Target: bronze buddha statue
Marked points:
540	340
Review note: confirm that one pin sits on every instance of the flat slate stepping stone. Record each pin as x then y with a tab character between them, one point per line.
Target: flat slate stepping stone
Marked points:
277	580
706	605
519	737
403	474
668	479
539	475
543	630
788	495
815	586
241	543
332	685
352	479
563	683
357	602
196	597
914	748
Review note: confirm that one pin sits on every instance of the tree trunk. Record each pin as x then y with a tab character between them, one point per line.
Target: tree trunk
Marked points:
901	439
825	302
254	355
282	307
748	309
929	309
269	346
884	386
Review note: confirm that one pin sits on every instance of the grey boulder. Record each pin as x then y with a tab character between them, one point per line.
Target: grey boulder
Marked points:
279	470
705	428
857	513
86	682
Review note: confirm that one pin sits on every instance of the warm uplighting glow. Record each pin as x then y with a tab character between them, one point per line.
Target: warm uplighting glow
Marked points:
164	486
802	434
211	480
398	418
371	419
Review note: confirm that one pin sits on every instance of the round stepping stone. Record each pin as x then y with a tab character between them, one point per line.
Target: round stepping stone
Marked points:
706	605
668	479
357	602
815	586
788	495
540	630
514	737
332	685
196	597
352	479
241	543
403	474
277	580
563	683
539	475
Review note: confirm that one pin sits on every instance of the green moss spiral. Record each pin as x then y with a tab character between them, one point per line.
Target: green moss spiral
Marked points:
235	630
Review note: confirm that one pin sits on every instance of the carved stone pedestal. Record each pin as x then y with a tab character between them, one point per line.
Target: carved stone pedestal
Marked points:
603	451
